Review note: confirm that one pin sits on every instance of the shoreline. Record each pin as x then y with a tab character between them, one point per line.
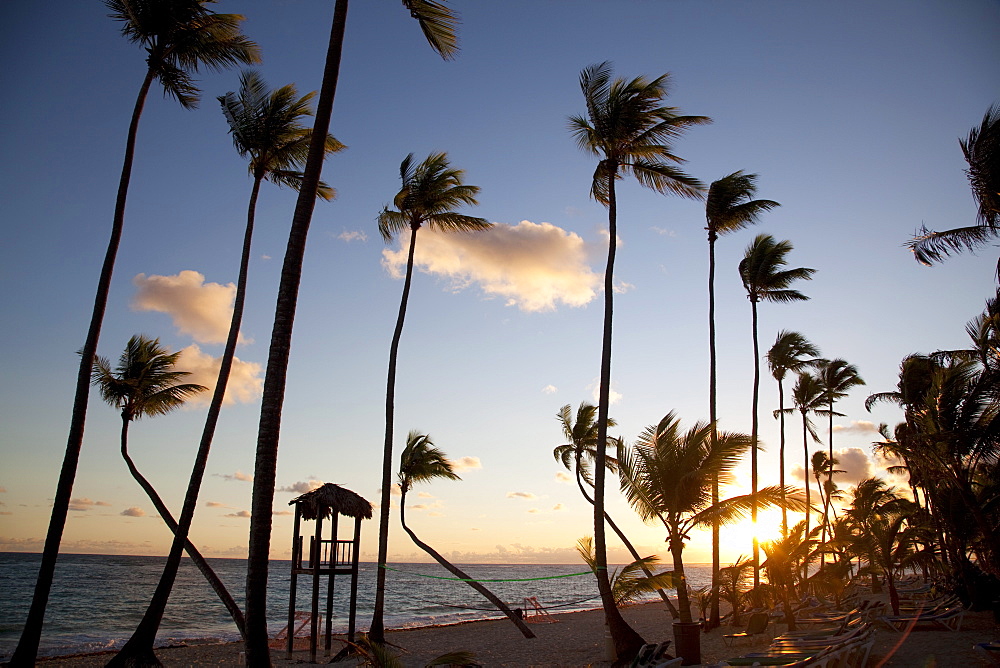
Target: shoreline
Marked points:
578	639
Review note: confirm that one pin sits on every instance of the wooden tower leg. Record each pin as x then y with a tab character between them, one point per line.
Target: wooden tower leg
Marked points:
355	554
315	564
293	581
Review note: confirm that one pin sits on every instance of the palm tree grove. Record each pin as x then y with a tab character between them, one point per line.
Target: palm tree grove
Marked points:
788	494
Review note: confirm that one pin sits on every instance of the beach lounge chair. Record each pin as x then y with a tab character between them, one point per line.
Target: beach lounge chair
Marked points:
756	625
652	655
950	619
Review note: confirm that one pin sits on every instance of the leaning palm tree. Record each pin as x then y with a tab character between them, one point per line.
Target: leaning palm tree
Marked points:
729	207
837	377
431	191
982	153
630	132
267	130
791	352
438	24
422	461
179	37
765	279
578	455
667	477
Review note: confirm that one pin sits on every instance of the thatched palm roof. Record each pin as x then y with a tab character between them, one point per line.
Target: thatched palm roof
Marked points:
328	498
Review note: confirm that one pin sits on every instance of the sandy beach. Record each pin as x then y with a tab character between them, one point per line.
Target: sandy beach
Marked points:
578	639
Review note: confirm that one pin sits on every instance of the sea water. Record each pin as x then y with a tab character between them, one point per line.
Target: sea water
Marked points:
97	600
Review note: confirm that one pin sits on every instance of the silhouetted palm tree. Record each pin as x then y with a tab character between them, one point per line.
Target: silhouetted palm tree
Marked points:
438	24
729	207
764	278
266	129
982	153
667	476
179	37
422	461
837	378
577	456
627	584
630	131
430	193
791	352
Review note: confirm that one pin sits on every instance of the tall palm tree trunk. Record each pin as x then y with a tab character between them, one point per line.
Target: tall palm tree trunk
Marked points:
714	618
27	647
781	457
805	479
265	468
459	573
141	642
683	602
196	557
628	544
376	632
753	447
627	641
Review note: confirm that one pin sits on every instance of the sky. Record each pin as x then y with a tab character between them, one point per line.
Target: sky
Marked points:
849	112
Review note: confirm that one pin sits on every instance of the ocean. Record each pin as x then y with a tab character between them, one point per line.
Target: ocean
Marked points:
97	600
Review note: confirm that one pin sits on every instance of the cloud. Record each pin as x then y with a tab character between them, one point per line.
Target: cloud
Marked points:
534	511
134	511
245	383
466	464
664	232
239	475
216	504
857	427
85	504
614	396
302	486
563	476
199	309
535	266
241	513
521	495
424	495
3	490
855	463
557	507
353	235
549	389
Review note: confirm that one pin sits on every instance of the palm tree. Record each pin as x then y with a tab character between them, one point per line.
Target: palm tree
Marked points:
807	397
438	24
729	207
823	465
789	353
837	377
629	130
577	456
179	37
430	193
732	585
668	474
982	153
422	461
266	128
764	278
627	584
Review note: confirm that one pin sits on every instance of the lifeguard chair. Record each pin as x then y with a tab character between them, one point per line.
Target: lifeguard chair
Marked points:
325	557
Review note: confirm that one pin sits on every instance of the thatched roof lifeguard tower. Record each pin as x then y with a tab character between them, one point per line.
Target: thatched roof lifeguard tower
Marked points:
330	557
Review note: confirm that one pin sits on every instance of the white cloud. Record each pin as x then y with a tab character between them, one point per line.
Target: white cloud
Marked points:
245	514
549	389
535	266
202	310
85	503
855	463
521	495
245	382
466	464
239	475
302	486
663	232
134	511
353	235
857	427
614	396
562	476
557	507
424	495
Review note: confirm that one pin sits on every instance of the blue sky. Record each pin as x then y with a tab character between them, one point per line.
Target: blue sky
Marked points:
849	112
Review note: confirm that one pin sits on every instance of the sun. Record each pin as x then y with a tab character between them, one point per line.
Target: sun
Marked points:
737	539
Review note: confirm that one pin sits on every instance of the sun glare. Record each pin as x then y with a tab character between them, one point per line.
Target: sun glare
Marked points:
738	538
